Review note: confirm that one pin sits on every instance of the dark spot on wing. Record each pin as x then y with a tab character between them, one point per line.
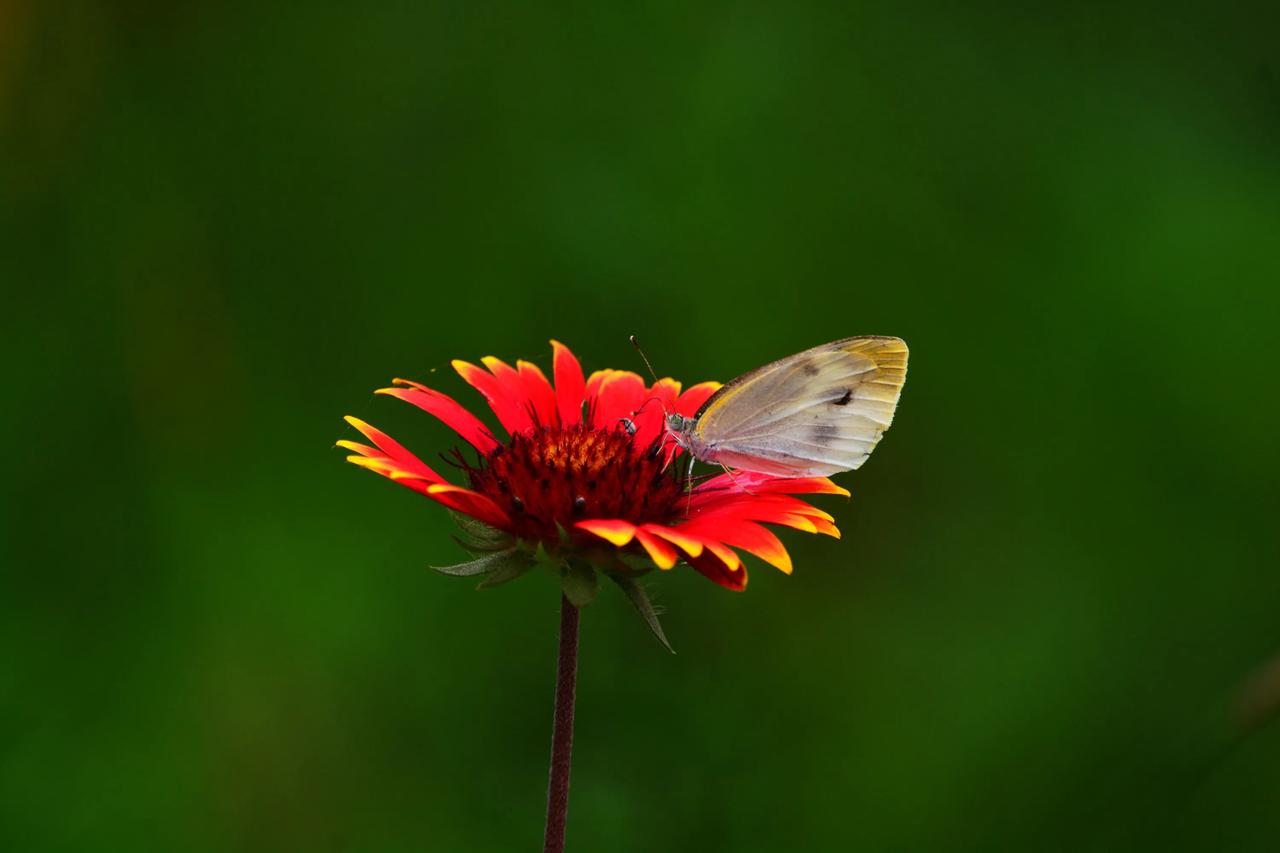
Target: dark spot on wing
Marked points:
809	368
821	436
844	401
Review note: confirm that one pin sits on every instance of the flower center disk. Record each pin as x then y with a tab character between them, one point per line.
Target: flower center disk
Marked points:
555	476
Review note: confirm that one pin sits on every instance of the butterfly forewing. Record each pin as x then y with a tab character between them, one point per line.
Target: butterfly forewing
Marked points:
811	414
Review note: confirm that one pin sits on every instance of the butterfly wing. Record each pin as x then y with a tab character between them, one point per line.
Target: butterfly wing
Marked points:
814	413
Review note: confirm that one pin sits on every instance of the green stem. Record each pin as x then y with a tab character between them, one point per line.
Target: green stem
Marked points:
562	730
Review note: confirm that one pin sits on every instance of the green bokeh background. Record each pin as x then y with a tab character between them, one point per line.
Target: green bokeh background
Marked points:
221	226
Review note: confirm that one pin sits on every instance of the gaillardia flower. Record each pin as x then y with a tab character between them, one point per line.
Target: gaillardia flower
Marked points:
584	478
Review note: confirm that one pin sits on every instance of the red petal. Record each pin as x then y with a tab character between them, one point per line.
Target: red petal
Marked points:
504	397
505	373
357	447
463	500
570	386
470	503
690	401
689	544
826	527
660	551
394	450
539	392
715	569
758	508
797	522
727	555
512	385
706	540
468	426
667	389
748	536
651	420
617	394
615	531
760	484
386	467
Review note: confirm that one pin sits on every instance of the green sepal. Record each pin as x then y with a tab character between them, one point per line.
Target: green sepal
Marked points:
579	583
640	598
631	564
516	566
484	565
541	555
478	537
479	550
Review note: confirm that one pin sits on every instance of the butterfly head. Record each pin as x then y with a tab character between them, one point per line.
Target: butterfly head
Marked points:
680	427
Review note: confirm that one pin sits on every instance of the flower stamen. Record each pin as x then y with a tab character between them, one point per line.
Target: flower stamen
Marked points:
551	477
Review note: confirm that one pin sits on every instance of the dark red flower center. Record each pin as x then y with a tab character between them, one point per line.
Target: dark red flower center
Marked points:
551	476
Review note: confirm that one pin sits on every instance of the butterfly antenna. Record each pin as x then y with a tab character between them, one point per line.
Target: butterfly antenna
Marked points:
636	344
657	400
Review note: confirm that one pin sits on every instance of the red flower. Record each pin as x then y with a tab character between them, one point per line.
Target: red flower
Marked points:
586	469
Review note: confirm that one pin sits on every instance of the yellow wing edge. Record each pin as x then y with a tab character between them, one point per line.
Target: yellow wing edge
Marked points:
889	354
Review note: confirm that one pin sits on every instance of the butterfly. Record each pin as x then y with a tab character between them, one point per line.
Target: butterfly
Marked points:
812	414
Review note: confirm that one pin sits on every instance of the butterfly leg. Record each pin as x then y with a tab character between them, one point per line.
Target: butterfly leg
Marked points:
688	487
668	449
734	478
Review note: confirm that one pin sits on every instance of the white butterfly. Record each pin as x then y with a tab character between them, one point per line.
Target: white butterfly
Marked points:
811	414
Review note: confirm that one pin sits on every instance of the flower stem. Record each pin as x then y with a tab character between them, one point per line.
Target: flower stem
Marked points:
562	732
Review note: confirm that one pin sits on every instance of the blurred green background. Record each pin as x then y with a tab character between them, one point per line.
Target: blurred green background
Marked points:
223	225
